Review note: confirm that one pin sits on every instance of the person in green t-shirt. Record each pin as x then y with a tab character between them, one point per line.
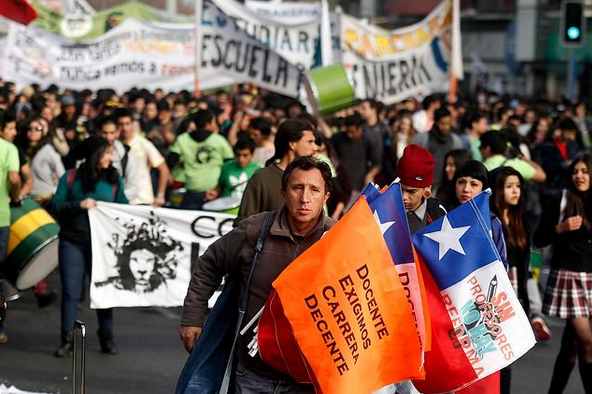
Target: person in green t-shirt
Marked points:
10	189
201	153
235	174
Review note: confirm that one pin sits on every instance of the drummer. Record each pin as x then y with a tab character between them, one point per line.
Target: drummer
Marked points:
236	173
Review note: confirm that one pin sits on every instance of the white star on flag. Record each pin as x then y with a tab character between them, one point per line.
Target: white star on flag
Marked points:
383	226
448	238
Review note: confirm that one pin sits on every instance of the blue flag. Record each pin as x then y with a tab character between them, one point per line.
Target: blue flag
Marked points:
389	212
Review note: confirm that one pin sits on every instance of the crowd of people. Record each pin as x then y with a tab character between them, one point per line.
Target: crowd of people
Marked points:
66	150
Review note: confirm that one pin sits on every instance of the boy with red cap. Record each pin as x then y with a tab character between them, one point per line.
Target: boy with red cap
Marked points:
415	169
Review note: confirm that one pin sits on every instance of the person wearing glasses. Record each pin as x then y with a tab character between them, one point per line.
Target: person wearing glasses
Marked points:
46	162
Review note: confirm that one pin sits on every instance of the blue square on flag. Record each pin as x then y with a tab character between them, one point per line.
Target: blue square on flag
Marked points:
457	244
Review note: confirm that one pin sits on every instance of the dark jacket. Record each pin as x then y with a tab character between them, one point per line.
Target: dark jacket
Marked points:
263	193
571	250
234	252
434	211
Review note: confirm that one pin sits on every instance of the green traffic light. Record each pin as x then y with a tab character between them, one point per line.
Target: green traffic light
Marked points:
573	33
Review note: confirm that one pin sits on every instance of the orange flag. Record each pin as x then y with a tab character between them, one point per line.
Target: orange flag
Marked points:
348	309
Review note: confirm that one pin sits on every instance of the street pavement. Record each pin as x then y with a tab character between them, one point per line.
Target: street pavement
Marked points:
151	355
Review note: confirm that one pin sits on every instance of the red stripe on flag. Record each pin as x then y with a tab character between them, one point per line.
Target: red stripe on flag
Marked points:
446	366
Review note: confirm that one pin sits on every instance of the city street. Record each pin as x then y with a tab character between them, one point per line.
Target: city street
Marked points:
151	355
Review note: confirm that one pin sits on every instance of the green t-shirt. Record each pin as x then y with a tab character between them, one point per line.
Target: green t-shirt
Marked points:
525	169
9	162
233	179
202	161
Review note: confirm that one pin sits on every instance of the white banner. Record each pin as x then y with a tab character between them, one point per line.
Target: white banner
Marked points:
142	256
294	42
148	55
289	12
392	65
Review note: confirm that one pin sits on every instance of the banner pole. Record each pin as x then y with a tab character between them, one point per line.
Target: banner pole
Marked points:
326	40
456	63
198	18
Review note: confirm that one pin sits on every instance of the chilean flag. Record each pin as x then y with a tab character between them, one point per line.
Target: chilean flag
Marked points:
478	324
389	213
18	10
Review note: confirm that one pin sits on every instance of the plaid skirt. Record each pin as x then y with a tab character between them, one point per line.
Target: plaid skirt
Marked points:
568	294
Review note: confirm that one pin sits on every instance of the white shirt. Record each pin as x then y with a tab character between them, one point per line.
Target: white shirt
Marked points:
146	157
130	175
46	170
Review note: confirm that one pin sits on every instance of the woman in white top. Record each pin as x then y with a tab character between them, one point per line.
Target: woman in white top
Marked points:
46	162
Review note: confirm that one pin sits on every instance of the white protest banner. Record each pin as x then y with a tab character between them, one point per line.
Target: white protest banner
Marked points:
131	54
147	55
294	42
229	50
142	256
392	65
289	12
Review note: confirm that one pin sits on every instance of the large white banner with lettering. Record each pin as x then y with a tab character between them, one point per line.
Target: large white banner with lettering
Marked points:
148	55
392	65
143	256
295	42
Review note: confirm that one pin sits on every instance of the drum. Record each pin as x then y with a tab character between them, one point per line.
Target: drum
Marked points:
330	88
32	252
228	205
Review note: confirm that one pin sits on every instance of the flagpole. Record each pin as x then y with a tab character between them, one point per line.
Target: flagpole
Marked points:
326	44
456	63
198	39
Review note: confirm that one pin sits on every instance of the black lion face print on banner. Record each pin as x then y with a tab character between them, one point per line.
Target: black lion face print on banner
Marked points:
146	258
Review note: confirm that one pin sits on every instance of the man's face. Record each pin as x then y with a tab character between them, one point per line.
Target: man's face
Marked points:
139	105
568	135
305	146
354	133
243	157
305	195
151	111
9	131
481	126
110	132
256	136
365	110
125	125
413	196
485	151
445	124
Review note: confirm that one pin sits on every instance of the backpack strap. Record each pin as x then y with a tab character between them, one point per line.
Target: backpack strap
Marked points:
244	300
71	177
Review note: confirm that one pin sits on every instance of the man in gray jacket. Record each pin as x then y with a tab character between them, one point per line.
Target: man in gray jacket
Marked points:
298	225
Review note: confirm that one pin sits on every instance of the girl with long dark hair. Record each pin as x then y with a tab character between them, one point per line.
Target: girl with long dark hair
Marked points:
78	191
453	160
508	204
567	225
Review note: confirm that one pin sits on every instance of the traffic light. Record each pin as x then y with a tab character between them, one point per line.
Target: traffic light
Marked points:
573	24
